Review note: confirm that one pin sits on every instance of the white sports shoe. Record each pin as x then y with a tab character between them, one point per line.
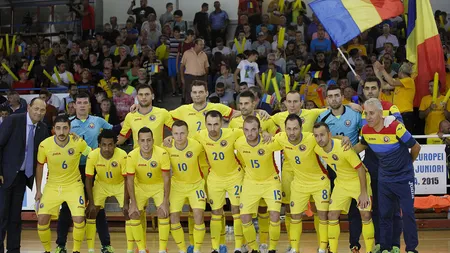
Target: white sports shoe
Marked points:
263	248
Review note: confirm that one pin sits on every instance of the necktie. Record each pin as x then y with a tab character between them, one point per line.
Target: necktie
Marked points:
30	151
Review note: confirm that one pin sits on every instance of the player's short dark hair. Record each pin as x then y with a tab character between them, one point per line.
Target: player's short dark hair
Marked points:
333	87
321	124
251	119
214	100
248	94
200	83
107	134
145	130
220	85
213	114
293	92
256	90
293	117
143	86
180	123
61	118
81	95
372	79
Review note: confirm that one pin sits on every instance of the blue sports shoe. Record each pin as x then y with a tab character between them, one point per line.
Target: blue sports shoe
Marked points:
223	248
190	249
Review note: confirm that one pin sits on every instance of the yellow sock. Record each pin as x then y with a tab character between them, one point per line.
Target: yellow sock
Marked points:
238	235
295	233
45	235
215	230
91	230
323	232
191	224
263	221
274	234
199	236
163	232
129	235
178	236
316	227
138	236
144	227
334	230
287	223
250	235
78	232
223	233
368	234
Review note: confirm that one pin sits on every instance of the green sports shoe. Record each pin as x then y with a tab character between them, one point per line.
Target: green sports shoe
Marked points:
385	251
395	249
377	248
60	249
107	249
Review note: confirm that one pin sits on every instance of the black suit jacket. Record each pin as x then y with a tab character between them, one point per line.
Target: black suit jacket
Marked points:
12	147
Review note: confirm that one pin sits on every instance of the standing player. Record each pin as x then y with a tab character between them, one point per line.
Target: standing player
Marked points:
352	182
343	124
62	155
148	169
146	115
225	176
372	89
109	164
310	180
261	181
186	158
396	173
87	127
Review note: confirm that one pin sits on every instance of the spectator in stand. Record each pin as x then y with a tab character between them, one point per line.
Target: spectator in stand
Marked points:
277	75
321	43
24	85
88	21
108	112
84	57
15	103
122	61
262	46
178	21
5	77
167	16
51	112
126	87
219	24
132	33
107	82
73	91
241	47
194	66
433	112
95	65
122	101
113	22
243	20
313	27
110	34
265	21
173	67
360	68
386	37
163	50
71	109
152	18
263	101
154	68
356	43
4	113
142	78
141	13
248	70
221	48
63	74
226	78
226	97
201	24
250	8
153	35
46	49
119	43
133	72
86	80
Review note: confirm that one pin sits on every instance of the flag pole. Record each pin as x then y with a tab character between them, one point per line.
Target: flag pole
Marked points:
348	63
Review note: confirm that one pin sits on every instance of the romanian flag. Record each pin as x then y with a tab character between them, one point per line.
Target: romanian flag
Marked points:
155	68
424	47
316	74
346	19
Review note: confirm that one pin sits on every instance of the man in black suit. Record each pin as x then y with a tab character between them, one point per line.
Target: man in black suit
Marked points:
20	135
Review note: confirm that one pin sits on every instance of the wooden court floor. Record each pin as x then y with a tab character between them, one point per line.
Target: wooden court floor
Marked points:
429	242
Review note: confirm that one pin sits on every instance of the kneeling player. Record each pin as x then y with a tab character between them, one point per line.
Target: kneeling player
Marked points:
151	166
62	155
109	163
352	182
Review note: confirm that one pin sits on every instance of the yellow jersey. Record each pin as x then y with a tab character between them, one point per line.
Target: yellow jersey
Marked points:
106	85
62	162
156	119
220	153
302	158
434	141
187	163
109	171
195	119
387	96
266	125
258	161
344	163
435	116
308	118
404	95
310	93
148	171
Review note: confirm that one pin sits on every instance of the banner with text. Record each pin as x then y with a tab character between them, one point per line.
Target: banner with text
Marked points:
430	170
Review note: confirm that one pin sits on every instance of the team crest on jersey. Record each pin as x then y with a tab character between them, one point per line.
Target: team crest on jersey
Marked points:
283	194
261	152
241	206
347	123
70	151
91	125
152	117
153	164
41	205
223	143
335	157
211	201
114	164
386	139
292	204
302	147
189	154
